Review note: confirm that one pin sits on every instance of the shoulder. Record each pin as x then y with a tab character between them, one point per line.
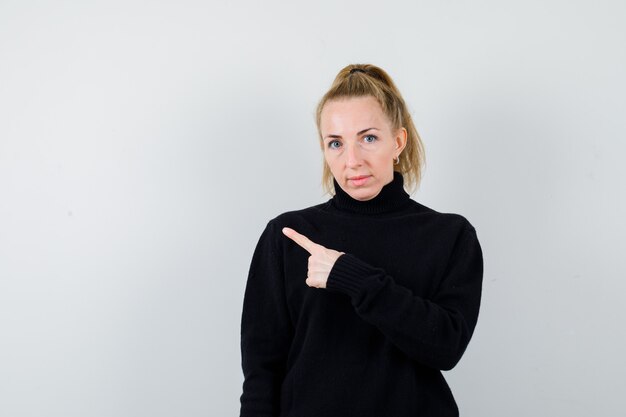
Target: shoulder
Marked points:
293	218
452	231
447	222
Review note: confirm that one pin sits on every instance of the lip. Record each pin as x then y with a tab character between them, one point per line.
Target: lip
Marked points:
360	181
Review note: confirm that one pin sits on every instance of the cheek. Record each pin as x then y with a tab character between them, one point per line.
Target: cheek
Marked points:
383	160
331	156
330	161
383	155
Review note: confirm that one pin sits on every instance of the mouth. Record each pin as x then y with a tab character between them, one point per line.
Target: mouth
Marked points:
359	180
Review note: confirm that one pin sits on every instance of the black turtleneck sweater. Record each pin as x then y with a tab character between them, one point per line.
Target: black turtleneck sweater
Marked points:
399	306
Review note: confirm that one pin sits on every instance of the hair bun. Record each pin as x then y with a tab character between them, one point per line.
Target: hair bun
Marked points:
353	70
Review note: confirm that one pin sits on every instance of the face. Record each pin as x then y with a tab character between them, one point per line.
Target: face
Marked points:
360	145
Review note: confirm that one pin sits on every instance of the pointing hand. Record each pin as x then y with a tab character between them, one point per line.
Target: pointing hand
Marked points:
321	260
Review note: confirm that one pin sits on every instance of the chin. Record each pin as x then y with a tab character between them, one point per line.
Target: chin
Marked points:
363	194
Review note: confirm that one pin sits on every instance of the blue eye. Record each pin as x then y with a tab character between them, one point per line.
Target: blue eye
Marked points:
330	144
374	138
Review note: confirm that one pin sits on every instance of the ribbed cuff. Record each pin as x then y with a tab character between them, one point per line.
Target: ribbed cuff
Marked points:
349	275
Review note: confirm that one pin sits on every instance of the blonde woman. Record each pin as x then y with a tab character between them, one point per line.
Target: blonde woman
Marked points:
354	306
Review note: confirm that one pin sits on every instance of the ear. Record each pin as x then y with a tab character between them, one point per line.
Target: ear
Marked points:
401	139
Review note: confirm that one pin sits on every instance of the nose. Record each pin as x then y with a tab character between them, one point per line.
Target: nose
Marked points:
353	156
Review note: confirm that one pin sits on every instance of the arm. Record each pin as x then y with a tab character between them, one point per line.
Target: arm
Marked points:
433	332
266	330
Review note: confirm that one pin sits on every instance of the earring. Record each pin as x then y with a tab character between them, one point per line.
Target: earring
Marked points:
396	162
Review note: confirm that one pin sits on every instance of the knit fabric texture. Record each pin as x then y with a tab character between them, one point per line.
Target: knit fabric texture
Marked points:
399	307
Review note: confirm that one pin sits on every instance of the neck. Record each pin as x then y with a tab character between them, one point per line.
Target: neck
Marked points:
392	197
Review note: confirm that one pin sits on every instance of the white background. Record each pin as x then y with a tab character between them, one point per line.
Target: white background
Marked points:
144	145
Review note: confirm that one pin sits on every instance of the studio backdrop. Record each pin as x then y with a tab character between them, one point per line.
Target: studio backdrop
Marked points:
145	145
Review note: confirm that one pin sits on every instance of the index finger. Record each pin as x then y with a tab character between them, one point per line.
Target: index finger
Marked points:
301	240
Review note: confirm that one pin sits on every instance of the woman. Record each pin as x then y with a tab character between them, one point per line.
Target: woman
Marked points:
354	306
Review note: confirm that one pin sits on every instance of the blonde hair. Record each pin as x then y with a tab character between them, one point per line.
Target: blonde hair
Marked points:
360	80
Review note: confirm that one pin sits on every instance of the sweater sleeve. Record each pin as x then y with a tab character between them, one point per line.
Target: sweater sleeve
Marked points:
433	332
266	330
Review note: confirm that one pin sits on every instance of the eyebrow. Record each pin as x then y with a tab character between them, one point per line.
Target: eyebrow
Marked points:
358	133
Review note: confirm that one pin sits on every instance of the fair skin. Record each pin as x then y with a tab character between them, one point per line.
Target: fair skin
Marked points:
359	141
359	147
321	260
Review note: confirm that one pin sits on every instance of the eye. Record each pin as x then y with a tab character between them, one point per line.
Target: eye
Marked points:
332	143
370	138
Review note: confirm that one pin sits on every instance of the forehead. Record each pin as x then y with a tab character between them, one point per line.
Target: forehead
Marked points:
352	114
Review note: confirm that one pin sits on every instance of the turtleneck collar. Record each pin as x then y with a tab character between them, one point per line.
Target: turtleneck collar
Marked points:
391	197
